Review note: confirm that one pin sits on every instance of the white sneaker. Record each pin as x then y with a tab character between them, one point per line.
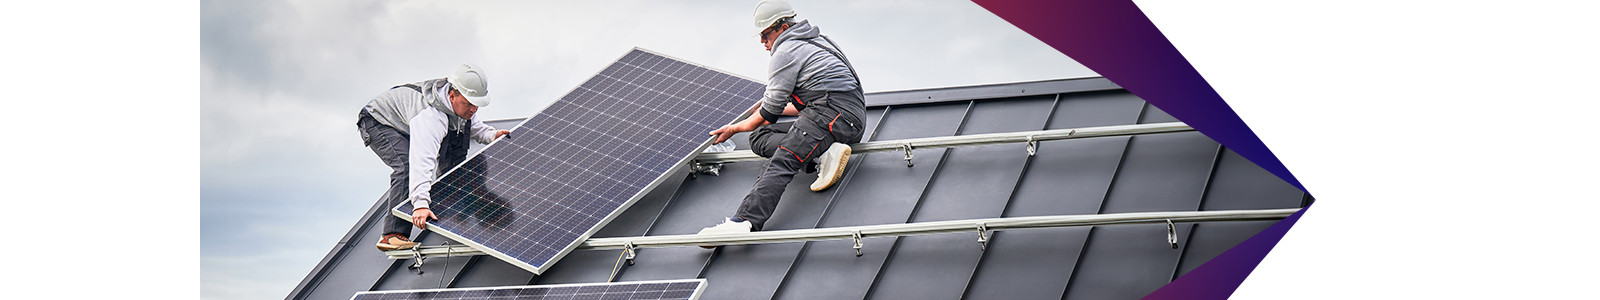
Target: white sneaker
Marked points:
727	226
832	166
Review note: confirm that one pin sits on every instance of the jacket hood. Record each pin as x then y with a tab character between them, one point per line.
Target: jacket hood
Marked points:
799	31
431	95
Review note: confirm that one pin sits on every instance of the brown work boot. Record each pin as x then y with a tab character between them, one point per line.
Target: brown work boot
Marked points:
395	241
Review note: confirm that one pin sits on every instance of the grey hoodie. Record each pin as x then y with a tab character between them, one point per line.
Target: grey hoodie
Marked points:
424	115
398	105
799	65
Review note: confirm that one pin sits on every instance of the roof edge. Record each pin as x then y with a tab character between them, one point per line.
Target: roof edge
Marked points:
340	249
970	92
996	90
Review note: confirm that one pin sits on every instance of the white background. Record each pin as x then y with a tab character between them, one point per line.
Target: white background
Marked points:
1447	141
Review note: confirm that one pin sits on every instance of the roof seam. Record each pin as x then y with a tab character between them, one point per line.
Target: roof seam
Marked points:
843	183
1005	211
676	194
894	247
1121	159
1205	191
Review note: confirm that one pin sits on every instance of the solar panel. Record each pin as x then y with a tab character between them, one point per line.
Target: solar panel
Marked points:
531	198
688	289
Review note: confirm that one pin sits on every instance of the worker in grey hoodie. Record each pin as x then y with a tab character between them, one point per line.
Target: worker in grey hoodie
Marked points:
808	77
420	130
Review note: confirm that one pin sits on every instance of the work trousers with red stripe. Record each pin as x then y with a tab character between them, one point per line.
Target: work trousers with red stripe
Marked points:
792	147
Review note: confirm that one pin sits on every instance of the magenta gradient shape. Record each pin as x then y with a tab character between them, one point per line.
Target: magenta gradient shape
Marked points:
1115	39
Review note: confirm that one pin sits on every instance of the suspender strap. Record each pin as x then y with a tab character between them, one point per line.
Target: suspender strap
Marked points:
408	85
841	57
419	90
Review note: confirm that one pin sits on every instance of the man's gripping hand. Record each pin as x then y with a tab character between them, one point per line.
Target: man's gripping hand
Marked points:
420	217
727	131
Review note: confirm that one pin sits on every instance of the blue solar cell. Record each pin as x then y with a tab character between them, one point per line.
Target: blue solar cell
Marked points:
686	289
534	196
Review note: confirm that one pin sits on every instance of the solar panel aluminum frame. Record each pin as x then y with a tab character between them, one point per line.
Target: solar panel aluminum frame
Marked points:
680	166
699	290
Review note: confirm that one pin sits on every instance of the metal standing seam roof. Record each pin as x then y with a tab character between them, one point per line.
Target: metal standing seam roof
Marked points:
1160	172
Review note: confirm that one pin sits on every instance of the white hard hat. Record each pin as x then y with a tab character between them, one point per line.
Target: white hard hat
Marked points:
769	11
469	80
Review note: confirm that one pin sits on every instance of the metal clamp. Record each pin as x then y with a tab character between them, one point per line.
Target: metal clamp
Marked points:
1172	234
983	237
416	252
857	236
629	252
697	167
1033	146
907	148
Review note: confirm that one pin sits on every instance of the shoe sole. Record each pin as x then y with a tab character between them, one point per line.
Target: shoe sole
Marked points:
844	158
709	246
388	247
706	247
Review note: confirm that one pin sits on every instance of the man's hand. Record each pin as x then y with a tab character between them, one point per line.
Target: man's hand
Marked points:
501	133
727	131
420	216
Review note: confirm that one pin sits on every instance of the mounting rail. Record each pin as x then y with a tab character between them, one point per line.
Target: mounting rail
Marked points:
979	226
1030	137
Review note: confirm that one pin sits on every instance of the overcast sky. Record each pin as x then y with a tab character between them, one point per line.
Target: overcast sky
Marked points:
284	175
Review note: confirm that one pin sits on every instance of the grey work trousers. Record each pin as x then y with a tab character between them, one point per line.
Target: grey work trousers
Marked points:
394	148
791	147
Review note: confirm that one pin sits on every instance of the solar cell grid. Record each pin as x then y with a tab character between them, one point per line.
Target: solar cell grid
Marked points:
688	289
532	197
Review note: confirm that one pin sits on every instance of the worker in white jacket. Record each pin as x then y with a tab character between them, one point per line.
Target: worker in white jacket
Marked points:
420	130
